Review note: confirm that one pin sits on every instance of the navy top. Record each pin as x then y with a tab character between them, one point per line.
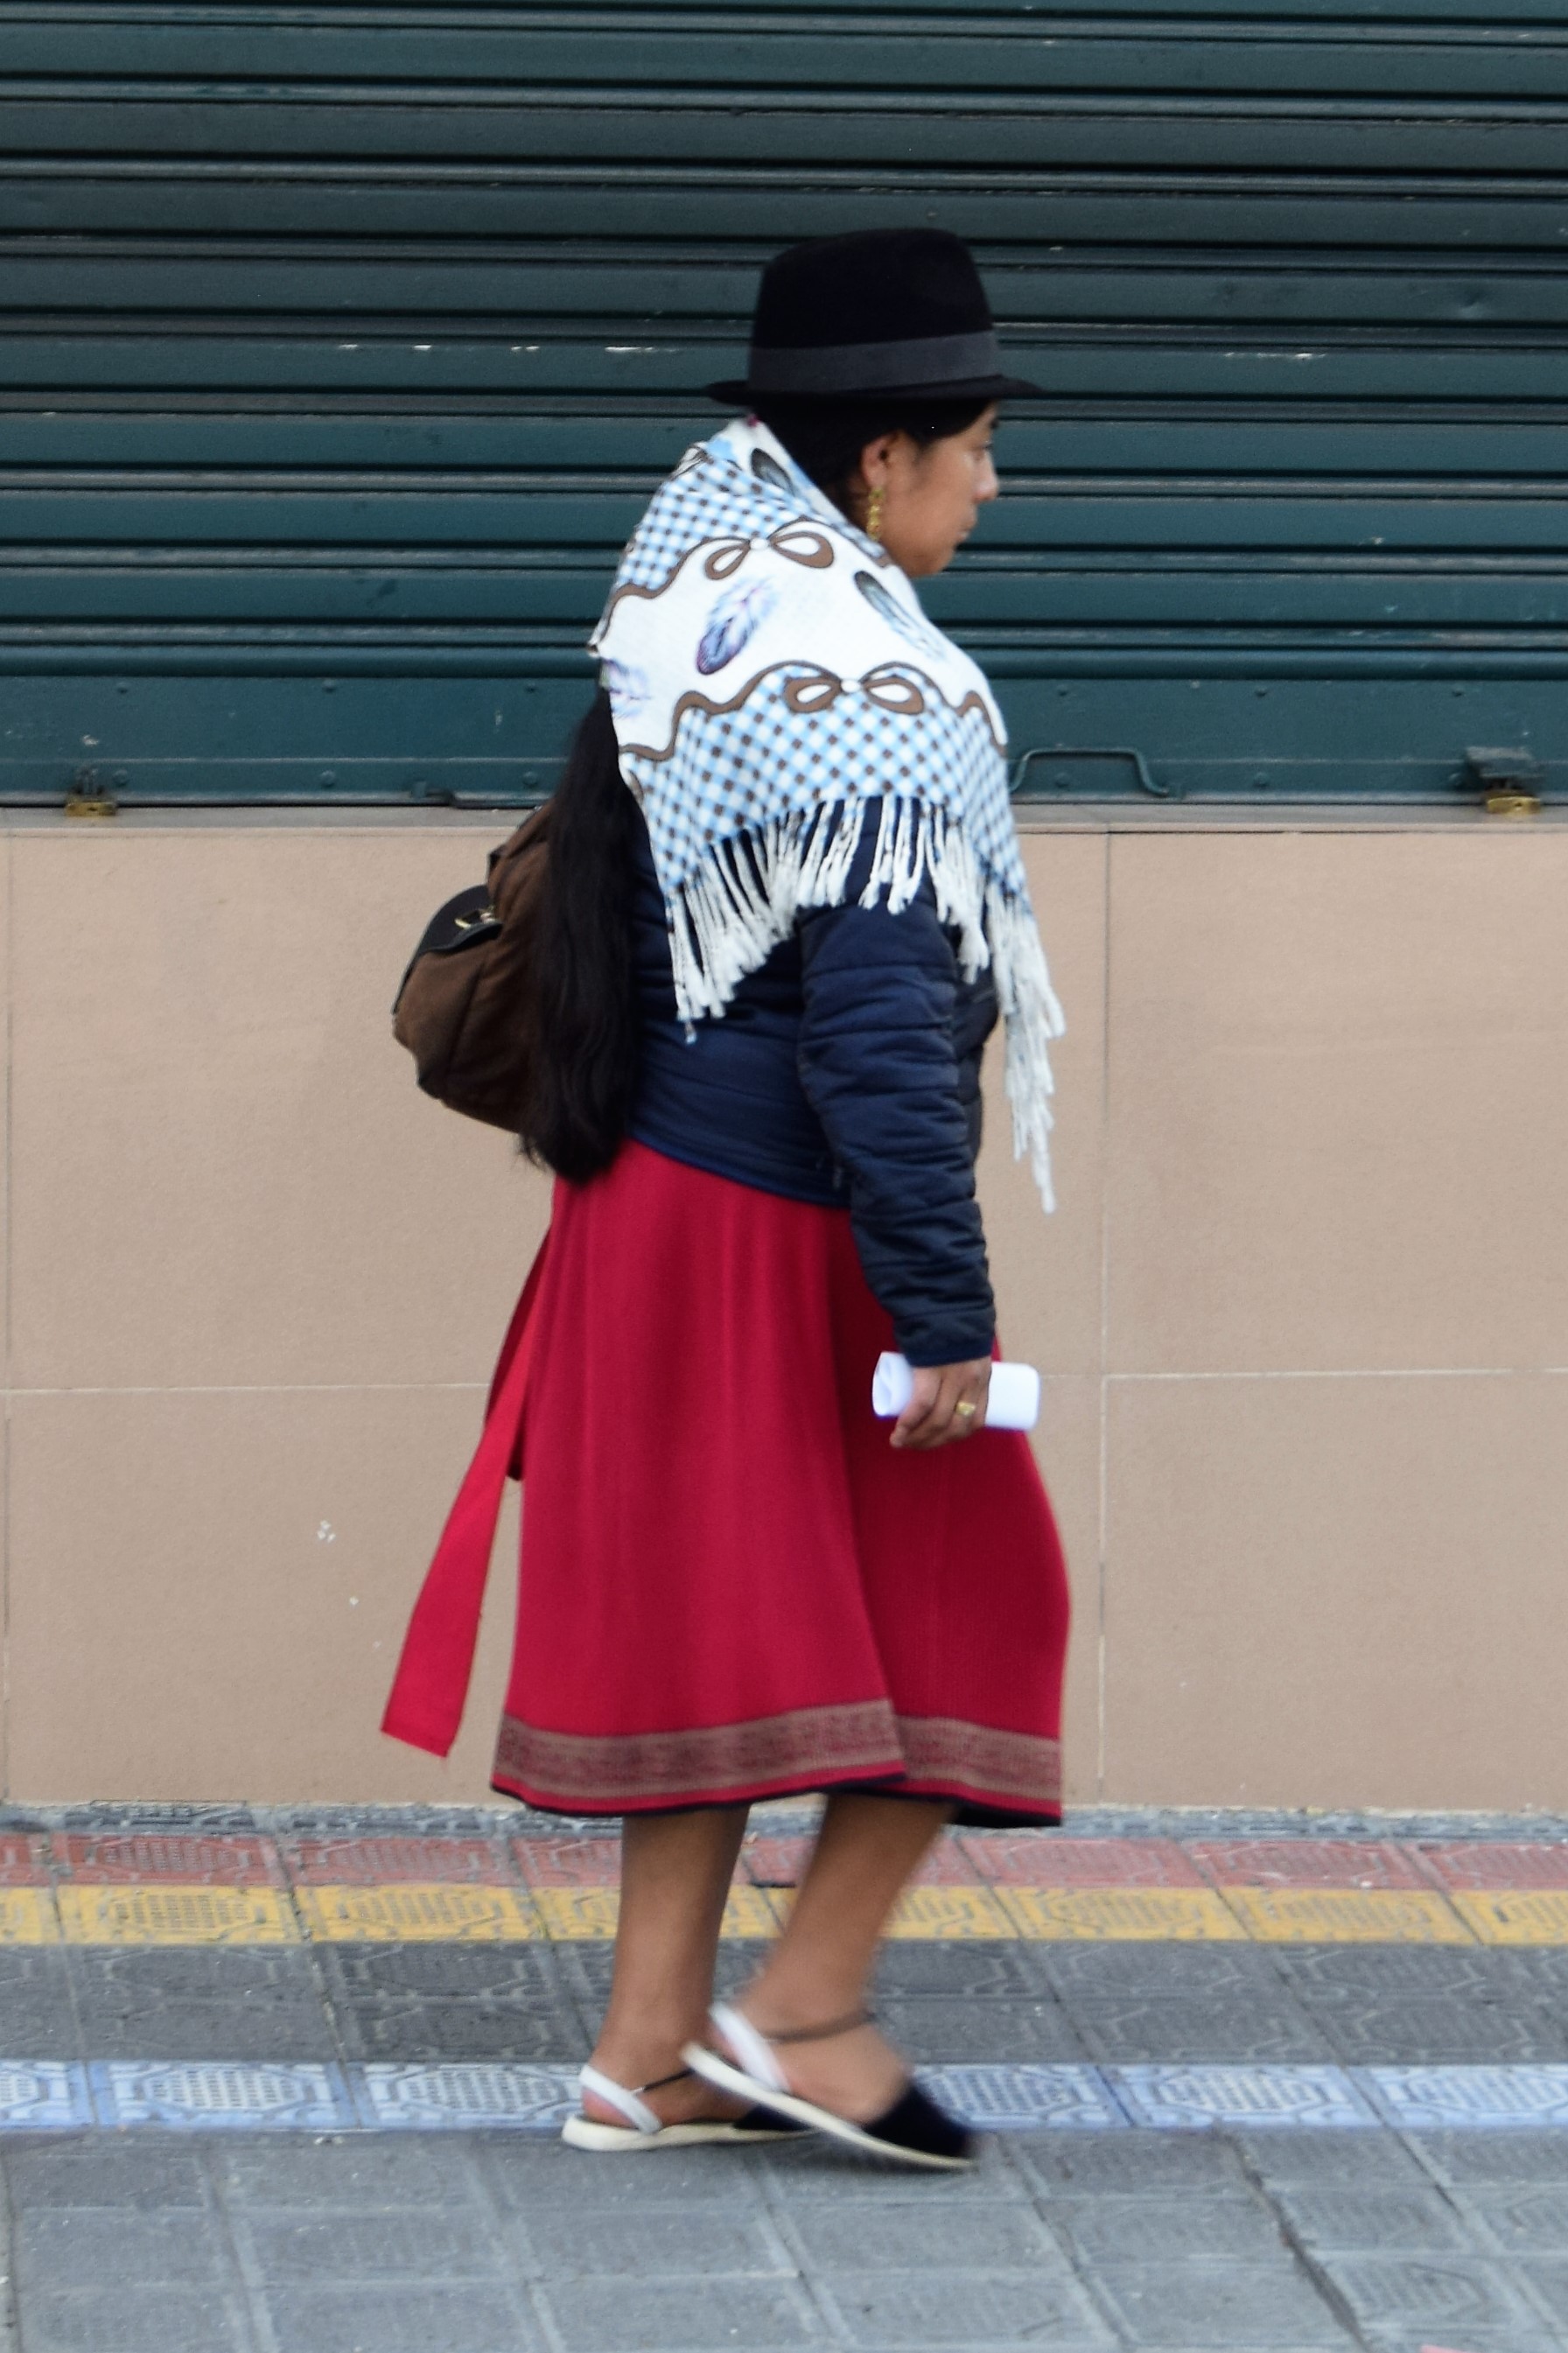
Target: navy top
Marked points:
844	1071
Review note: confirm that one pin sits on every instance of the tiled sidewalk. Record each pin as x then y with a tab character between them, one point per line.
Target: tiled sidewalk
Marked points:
1257	2084
238	1879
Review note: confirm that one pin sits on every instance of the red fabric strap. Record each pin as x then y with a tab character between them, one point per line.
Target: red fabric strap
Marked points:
431	1685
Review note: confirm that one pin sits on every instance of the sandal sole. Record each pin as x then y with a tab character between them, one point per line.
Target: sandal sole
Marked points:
622	2140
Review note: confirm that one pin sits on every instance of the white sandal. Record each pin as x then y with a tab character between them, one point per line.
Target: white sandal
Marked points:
645	2129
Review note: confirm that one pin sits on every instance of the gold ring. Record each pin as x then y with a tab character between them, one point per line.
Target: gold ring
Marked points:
967	1410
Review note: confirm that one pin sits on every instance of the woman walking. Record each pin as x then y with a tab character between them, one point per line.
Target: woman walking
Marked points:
767	972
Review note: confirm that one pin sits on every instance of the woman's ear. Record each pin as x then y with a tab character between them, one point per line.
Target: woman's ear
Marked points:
876	461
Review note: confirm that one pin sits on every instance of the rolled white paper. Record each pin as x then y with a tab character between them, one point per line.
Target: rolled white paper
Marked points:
1014	1402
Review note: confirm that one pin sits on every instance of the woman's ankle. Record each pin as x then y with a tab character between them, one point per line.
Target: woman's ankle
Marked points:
799	2009
631	2057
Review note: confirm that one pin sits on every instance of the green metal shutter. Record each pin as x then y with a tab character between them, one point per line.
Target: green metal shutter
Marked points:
341	345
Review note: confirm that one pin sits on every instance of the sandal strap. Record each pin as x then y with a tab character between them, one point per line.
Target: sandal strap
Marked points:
845	2025
636	2112
754	2050
748	2047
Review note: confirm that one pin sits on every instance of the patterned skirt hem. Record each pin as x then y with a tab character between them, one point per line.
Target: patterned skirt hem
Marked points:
987	1772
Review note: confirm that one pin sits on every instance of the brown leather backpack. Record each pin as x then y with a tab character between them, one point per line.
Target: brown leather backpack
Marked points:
464	1008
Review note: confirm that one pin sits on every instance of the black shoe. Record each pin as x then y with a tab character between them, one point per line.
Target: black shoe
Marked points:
917	2132
913	2131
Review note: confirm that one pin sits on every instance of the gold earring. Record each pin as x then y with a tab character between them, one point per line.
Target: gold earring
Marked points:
874	512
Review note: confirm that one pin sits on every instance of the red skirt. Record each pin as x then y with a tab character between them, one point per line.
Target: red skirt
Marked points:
731	1585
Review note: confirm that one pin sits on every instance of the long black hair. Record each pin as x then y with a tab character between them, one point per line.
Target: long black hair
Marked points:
585	1069
585	985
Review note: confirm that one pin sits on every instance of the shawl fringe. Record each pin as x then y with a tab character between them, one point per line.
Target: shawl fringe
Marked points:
742	898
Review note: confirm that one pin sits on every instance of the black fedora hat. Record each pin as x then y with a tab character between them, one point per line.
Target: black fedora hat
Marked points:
883	312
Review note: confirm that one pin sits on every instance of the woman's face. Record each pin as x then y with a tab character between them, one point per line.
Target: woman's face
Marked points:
932	493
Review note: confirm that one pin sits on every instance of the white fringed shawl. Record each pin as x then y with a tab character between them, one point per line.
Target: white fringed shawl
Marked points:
772	675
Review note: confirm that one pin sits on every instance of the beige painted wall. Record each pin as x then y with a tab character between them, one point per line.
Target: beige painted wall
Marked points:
1303	1309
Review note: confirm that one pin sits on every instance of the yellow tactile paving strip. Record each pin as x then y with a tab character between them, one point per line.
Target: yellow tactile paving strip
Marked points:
28	1916
1345	1915
1530	1916
1142	1915
579	1915
164	1913
1405	1898
411	1912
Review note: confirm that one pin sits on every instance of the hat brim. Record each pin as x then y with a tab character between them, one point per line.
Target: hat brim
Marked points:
735	391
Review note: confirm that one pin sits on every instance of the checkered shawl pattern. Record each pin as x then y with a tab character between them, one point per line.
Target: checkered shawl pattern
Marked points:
774	680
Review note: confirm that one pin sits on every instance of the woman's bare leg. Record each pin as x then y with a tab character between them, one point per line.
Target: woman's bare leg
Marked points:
820	1969
674	1875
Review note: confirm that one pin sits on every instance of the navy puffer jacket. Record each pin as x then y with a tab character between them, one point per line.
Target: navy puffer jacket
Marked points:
844	1071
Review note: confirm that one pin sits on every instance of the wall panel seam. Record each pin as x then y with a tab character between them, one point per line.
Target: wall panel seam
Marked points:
1101	1569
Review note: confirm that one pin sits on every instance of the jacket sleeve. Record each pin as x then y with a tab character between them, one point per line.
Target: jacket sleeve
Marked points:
879	1062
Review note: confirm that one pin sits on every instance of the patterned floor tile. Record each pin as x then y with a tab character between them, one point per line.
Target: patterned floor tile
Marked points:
969	2311
1421	2099
1188	2098
1454	2293
24	1859
591	1912
1045	1859
107	1913
411	1914
1331	1916
460	2097
1170	2227
123	2319
354	1823
1331	2160
1450	2033
594	1861
1143	1914
119	1860
374	1862
174	1820
1026	2099
619	2316
1137	2165
198	2002
939	1913
772	1859
964	1969
1332	1975
1528	2159
956	2032
514	1974
1221	2307
43	2095
1242	2028
1530	2219
1306	1863
213	2096
1532	1916
28	1916
1414	2218
479	2316
1151	1970
38	2016
1503	1864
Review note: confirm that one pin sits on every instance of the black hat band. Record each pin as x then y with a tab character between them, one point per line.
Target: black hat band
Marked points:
875	367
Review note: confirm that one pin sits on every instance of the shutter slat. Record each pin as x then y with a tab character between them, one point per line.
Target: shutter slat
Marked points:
341	344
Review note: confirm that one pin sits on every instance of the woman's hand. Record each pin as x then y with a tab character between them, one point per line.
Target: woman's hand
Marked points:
947	1402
